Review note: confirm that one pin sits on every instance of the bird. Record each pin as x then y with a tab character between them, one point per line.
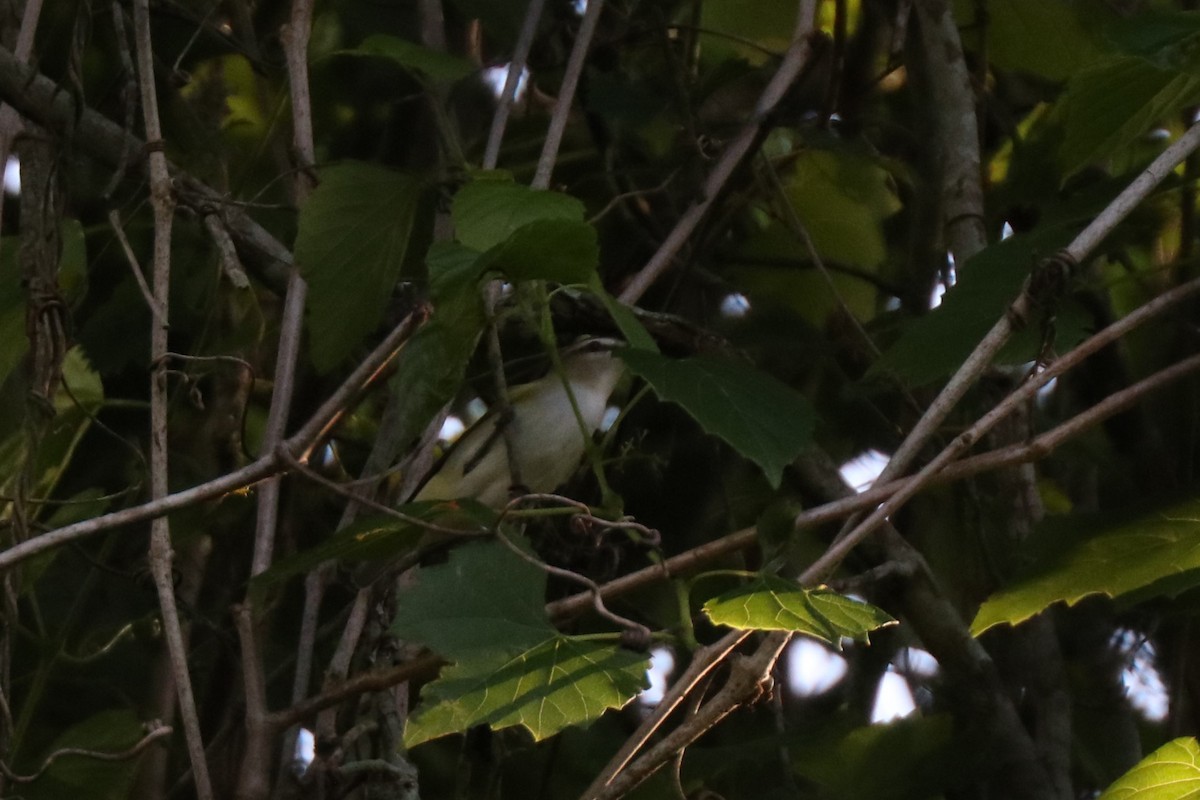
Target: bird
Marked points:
547	437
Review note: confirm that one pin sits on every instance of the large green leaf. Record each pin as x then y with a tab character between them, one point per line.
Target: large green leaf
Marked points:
915	757
623	316
13	341
935	345
1109	105
432	365
550	249
560	682
842	198
1124	558
1172	772
436	65
489	209
631	327
772	603
377	537
1052	39
109	731
353	238
761	418
484	599
1170	40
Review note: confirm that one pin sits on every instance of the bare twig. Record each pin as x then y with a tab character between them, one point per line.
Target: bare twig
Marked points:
963	442
154	735
956	132
161	556
1021	308
745	683
231	265
114	221
339	663
295	41
574	577
566	95
295	464
10	123
516	67
794	61
696	558
801	232
265	465
42	100
1038	448
253	780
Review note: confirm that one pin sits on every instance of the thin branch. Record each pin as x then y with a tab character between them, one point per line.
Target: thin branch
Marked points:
704	661
1021	308
574	577
566	95
266	465
231	265
114	221
300	468
421	666
801	232
516	67
690	561
161	557
253	780
956	131
339	663
745	683
1038	448
98	755
295	42
794	61
824	565
10	123
53	107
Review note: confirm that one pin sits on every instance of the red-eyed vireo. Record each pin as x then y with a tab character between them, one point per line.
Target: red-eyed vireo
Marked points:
547	437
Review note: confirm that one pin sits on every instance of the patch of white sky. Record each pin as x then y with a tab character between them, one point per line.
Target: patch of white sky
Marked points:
12	176
304	752
662	664
813	668
496	77
1140	676
735	305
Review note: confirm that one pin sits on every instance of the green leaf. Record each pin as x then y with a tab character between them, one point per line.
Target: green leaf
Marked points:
432	365
915	757
1054	40
842	198
772	603
13	341
763	419
1172	772
1109	106
626	321
1122	559
552	249
433	64
560	682
1170	40
353	238
377	537
78	776
484	599
935	345
72	265
487	211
